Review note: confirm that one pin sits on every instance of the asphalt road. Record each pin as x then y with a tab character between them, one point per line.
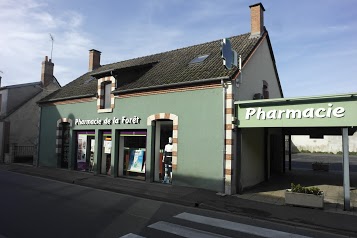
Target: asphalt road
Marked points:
304	160
37	207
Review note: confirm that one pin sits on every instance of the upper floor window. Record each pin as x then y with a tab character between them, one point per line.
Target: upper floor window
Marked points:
107	95
105	101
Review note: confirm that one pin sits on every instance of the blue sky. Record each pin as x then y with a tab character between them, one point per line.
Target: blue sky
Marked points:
314	42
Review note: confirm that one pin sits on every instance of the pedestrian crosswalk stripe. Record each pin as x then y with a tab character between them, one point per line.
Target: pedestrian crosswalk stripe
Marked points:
254	230
131	235
183	231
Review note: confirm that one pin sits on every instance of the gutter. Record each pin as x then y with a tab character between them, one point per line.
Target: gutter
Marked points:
172	85
115	92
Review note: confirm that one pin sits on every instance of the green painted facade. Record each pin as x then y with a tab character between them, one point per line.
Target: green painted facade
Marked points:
324	111
200	132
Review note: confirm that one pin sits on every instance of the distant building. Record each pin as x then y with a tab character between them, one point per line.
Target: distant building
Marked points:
19	115
325	144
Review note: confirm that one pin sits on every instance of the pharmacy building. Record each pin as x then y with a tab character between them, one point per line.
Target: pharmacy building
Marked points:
168	117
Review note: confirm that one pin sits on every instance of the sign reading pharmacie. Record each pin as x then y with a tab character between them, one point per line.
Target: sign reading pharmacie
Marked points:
336	114
321	112
108	121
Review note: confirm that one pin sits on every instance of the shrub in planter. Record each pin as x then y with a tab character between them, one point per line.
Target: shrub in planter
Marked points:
300	189
304	196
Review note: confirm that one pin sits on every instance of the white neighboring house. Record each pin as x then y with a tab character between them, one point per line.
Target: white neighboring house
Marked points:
330	144
19	115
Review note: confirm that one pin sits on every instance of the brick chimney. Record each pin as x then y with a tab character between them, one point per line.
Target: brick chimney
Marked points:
47	72
256	20
94	59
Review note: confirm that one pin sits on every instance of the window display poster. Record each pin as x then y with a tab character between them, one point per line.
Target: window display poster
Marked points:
107	146
136	161
92	145
91	158
81	152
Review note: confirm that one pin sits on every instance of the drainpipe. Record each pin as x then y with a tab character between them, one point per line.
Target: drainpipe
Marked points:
224	87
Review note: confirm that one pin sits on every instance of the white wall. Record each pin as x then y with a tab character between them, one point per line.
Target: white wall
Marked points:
252	157
328	144
260	67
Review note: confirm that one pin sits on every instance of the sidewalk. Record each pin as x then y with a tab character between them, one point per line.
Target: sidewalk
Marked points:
250	204
330	183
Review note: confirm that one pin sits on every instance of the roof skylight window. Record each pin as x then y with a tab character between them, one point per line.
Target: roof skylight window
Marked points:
199	59
88	80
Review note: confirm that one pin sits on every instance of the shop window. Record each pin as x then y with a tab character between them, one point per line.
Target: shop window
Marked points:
85	151
106	154
132	154
265	90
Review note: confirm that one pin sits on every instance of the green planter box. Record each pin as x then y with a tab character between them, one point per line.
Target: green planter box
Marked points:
304	199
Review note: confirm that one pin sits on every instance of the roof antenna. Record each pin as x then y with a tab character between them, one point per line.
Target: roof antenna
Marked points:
239	81
52	39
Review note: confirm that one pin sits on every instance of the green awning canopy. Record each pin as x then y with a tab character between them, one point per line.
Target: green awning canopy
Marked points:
304	112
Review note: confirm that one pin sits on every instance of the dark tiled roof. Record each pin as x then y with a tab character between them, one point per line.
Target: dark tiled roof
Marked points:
168	68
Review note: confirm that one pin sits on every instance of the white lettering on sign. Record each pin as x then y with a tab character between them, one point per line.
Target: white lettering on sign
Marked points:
329	112
108	121
88	122
133	120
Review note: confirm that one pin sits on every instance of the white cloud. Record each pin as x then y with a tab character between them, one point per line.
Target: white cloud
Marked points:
25	27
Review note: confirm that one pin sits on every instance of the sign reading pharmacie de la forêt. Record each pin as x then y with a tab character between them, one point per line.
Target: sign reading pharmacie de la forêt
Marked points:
322	112
108	121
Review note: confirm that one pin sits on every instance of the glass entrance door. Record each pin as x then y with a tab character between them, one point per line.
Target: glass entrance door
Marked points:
65	145
106	154
163	132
